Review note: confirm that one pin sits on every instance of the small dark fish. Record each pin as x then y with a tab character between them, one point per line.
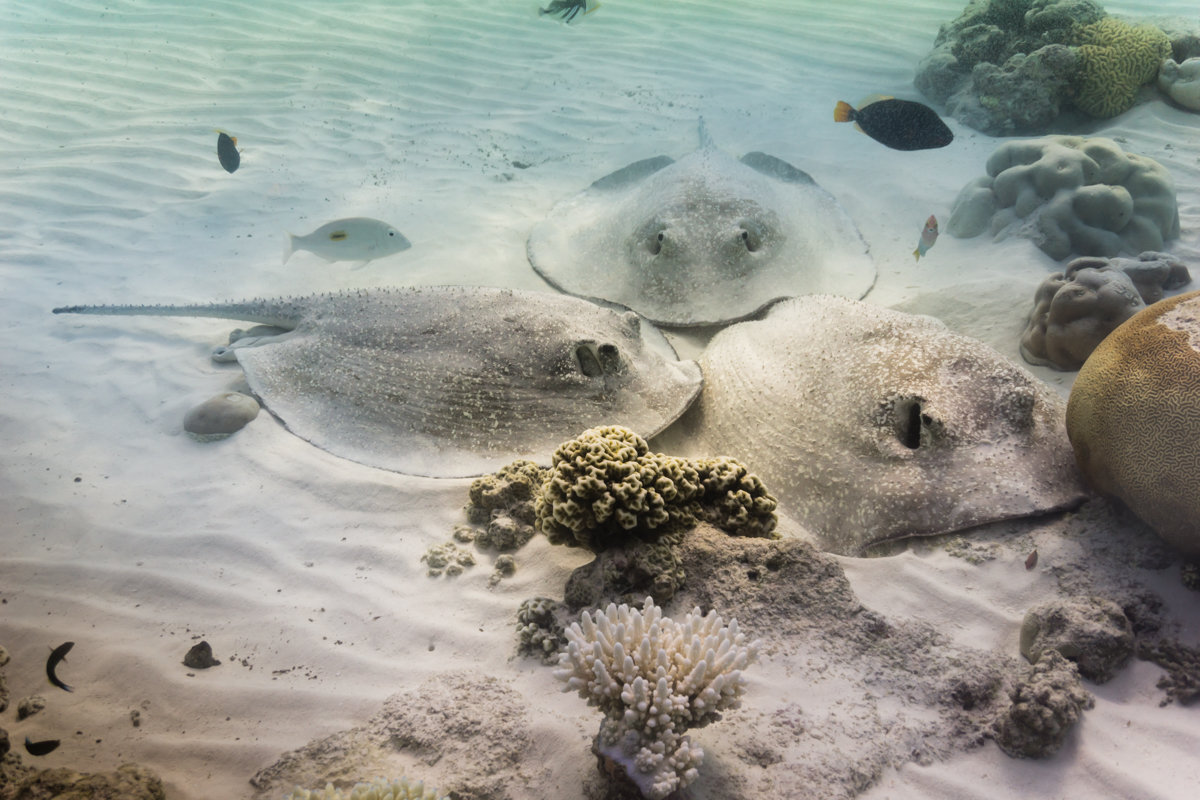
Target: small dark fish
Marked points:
59	654
227	152
1031	562
41	748
567	10
899	124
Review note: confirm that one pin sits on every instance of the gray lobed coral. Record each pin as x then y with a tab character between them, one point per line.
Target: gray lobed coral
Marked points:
539	633
1093	632
1045	706
1004	67
1070	195
1075	309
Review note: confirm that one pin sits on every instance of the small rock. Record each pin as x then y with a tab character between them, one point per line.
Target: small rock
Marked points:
1044	708
1091	631
221	415
135	717
200	657
30	706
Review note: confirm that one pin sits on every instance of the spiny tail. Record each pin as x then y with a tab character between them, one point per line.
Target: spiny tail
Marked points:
281	314
843	112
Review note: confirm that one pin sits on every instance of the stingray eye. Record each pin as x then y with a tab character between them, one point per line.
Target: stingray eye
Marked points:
589	362
610	358
752	237
657	242
910	421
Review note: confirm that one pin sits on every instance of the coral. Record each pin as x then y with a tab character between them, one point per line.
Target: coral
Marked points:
1116	58
447	558
1133	418
509	491
735	500
1181	82
1004	66
1182	663
628	573
505	566
606	486
1093	632
505	532
1070	194
538	632
1044	707
380	789
1074	310
127	782
655	678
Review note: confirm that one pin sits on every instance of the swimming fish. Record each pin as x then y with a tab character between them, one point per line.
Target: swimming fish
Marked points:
567	10
40	748
59	654
899	124
928	237
227	152
354	239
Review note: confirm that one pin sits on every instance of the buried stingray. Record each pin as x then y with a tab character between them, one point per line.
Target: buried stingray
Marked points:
704	240
869	424
448	381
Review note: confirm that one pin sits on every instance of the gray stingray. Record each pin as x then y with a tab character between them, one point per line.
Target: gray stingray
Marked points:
703	240
870	424
449	381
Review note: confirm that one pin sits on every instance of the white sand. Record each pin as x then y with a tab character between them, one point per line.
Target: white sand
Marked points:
461	123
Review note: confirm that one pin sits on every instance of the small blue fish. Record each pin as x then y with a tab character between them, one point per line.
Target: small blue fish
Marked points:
928	237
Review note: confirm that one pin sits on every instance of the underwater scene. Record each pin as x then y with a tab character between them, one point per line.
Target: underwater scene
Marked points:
606	400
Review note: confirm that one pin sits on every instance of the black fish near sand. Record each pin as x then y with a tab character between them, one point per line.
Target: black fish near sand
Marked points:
899	124
227	152
59	654
40	748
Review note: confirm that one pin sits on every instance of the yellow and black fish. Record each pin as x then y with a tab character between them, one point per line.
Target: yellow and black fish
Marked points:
899	124
227	152
568	10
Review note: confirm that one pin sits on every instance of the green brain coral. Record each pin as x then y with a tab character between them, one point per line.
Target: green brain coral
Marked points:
1116	58
606	485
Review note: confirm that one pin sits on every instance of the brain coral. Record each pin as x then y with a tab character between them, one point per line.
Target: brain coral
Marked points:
1116	59
1070	194
1133	418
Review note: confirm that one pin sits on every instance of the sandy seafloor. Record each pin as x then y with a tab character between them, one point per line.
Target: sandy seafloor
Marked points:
461	123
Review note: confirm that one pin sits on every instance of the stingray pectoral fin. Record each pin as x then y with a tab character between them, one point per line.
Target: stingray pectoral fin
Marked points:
632	173
776	168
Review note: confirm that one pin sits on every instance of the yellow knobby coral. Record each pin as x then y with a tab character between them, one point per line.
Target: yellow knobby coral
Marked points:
606	485
1116	59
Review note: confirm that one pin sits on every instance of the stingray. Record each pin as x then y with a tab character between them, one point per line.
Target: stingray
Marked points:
707	239
869	424
448	381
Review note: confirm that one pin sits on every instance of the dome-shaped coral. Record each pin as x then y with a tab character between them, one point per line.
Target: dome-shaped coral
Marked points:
1070	194
1134	418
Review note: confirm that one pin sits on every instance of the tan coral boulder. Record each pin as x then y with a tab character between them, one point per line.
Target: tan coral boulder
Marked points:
1134	418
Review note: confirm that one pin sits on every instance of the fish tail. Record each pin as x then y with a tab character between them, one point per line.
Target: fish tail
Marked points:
917	254
289	246
843	112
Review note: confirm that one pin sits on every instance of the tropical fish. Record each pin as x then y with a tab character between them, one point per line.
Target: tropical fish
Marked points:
355	239
227	152
928	237
40	748
899	124
568	10
59	654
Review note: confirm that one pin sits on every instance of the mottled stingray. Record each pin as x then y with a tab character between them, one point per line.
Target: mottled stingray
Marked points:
869	424
707	239
448	381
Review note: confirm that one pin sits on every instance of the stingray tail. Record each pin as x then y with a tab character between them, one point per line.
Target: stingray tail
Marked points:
289	246
279	313
702	132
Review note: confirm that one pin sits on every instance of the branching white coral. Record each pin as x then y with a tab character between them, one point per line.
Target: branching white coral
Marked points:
380	789
655	678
